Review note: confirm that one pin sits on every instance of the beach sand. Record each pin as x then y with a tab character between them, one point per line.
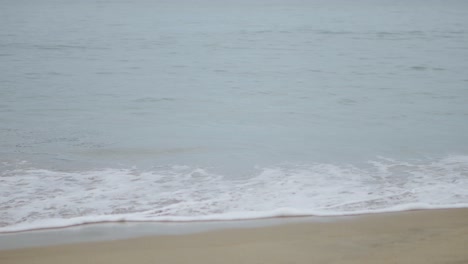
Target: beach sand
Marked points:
428	236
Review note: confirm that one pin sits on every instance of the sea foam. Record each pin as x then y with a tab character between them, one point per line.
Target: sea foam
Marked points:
36	198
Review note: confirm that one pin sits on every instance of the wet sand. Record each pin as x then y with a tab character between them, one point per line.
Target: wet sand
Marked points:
429	236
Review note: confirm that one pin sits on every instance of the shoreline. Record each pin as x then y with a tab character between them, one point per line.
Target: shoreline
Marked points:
217	219
422	236
110	231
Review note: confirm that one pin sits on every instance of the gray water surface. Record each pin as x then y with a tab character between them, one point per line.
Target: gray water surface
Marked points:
231	84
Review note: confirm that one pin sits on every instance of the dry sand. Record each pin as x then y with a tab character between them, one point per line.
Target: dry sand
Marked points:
432	236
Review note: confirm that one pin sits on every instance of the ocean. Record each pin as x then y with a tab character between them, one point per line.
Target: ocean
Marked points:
158	110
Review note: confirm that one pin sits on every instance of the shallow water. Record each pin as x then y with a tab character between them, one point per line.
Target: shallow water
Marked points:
175	109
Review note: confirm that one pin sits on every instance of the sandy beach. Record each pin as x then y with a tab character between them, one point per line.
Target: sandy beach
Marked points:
430	236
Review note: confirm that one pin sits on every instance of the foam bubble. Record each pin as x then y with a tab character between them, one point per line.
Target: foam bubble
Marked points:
37	198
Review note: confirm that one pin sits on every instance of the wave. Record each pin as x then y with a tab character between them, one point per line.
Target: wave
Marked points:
37	198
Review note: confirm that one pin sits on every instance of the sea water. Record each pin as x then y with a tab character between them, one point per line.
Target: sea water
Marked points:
152	110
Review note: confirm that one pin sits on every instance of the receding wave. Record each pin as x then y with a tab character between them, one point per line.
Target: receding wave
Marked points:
36	198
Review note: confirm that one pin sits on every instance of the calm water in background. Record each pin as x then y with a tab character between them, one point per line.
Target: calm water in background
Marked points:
147	109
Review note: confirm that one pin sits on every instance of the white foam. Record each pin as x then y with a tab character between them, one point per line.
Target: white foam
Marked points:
282	212
35	198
